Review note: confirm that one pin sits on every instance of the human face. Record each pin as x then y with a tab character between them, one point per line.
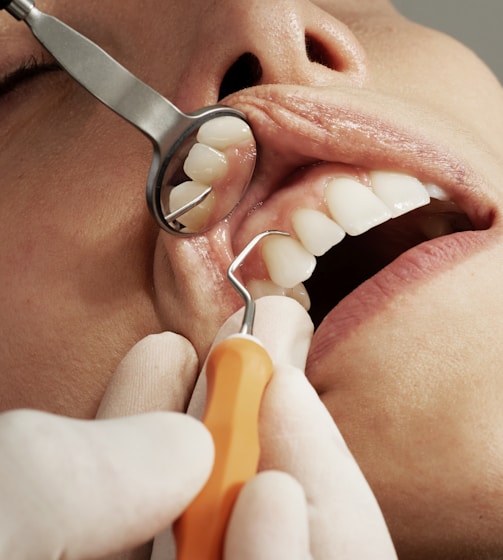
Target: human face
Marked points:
408	364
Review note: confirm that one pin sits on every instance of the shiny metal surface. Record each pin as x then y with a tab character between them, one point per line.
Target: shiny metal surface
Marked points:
151	113
249	314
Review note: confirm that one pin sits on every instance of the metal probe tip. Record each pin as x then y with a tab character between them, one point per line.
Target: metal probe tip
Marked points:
249	315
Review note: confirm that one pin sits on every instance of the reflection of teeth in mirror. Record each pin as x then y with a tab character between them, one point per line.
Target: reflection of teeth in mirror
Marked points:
205	164
353	206
184	193
401	193
261	288
286	260
316	231
222	132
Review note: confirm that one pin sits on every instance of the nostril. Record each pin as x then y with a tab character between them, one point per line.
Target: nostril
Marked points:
316	52
245	72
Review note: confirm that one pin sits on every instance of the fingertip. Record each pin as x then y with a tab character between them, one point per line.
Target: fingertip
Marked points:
269	520
285	329
161	459
186	448
103	486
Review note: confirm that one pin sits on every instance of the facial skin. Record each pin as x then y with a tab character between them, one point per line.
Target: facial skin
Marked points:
409	370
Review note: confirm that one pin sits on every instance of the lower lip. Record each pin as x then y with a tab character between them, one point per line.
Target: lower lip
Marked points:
414	266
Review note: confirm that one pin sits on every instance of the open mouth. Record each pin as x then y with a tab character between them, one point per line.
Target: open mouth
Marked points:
359	226
356	259
346	224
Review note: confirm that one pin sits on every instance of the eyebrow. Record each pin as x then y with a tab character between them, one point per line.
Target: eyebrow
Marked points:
26	71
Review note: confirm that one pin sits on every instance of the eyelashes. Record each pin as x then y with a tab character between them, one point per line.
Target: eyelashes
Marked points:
24	73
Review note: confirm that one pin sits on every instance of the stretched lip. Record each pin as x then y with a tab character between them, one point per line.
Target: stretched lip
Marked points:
412	267
299	126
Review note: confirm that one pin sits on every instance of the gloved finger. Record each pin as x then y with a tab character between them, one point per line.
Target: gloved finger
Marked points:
285	329
269	520
158	373
281	324
86	489
299	436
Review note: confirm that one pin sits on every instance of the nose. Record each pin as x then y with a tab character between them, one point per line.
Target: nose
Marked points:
251	42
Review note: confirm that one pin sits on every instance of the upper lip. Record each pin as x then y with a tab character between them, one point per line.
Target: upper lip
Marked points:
296	126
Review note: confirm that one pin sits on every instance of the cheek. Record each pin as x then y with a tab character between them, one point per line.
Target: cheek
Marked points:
417	395
75	261
428	69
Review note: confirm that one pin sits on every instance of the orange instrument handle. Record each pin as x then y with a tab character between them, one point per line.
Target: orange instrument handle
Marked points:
237	372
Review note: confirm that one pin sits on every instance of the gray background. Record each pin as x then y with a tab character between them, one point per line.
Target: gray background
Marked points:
476	23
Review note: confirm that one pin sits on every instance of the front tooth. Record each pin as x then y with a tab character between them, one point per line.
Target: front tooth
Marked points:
261	288
184	193
353	206
205	164
401	193
287	262
222	132
436	192
316	231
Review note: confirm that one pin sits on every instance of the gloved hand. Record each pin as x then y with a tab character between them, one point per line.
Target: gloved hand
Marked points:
85	489
310	499
319	506
93	489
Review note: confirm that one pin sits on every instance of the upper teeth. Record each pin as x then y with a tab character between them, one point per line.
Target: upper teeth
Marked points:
401	193
351	208
205	164
316	231
355	207
184	193
222	132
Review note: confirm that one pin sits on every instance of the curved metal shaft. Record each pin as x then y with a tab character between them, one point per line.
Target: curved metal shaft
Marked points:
249	316
103	76
122	92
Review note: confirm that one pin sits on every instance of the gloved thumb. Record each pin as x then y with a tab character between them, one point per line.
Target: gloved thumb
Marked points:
285	329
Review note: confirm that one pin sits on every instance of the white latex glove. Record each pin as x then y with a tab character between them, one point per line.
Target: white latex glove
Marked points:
311	499
86	489
83	490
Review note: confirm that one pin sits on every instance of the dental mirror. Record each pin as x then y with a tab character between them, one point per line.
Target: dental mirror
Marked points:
185	198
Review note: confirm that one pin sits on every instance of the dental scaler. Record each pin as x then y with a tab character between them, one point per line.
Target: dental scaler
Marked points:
237	371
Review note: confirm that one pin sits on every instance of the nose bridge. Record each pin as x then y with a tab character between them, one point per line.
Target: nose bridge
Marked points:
280	41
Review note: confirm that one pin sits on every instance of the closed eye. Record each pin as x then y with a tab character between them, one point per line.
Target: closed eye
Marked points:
25	73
